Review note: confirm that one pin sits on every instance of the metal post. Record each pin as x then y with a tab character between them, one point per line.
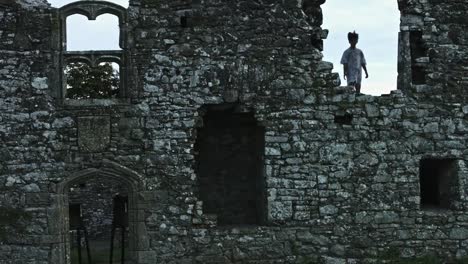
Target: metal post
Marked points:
78	239
122	230
112	244
87	245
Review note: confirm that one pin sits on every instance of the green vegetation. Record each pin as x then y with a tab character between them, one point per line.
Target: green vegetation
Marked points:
99	254
392	256
304	259
97	82
418	260
309	260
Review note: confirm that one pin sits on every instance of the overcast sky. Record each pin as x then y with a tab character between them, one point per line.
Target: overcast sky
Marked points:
376	21
60	3
101	34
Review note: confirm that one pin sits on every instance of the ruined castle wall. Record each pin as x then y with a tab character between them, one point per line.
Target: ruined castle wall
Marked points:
341	171
27	158
441	54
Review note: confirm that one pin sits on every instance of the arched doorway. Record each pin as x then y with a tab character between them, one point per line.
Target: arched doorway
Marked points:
84	218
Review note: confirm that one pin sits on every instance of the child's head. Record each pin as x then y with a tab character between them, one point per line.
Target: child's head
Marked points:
353	38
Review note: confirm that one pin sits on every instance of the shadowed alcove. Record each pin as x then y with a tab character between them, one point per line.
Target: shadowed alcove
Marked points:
230	148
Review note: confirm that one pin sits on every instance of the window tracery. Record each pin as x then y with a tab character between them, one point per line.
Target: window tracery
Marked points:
93	59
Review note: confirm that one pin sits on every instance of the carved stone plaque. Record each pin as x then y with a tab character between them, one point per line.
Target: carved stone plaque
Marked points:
93	133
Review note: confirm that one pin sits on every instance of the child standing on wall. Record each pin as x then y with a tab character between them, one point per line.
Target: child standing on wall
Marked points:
353	62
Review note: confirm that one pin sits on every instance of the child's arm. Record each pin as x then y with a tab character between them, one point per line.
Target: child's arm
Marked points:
345	70
365	70
344	61
364	63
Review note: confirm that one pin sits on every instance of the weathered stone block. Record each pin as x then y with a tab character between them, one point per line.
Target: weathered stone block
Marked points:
459	233
93	133
279	211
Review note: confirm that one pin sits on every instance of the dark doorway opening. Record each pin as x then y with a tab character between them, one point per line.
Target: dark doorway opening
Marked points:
230	148
98	222
438	182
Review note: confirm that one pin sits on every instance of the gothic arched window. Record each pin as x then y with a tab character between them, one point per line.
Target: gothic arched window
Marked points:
99	70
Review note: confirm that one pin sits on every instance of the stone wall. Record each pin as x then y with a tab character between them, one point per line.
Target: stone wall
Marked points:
341	171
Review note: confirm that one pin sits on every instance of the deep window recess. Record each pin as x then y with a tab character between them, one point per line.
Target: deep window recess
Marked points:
343	118
438	183
188	12
230	148
418	75
99	71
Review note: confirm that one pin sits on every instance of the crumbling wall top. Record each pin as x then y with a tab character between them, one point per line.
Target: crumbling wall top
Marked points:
27	4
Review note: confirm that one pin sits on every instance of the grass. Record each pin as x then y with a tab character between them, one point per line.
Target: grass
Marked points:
99	251
392	256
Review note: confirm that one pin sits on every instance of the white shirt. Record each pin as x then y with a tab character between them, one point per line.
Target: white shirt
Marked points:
355	60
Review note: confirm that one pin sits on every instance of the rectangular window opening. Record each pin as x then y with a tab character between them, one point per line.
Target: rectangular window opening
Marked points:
344	118
438	183
418	75
230	150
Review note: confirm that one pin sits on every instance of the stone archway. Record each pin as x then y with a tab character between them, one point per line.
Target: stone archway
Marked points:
137	234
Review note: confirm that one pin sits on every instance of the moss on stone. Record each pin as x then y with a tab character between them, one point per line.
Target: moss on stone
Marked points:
12	221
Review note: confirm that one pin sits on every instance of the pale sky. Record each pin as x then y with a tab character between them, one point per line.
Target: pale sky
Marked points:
60	3
101	34
376	21
378	24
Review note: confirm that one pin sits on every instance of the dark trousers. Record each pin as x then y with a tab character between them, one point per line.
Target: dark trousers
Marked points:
356	86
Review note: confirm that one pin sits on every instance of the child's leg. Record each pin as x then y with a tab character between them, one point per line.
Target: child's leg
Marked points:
358	88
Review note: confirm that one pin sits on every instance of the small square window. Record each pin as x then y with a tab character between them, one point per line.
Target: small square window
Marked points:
438	183
344	119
